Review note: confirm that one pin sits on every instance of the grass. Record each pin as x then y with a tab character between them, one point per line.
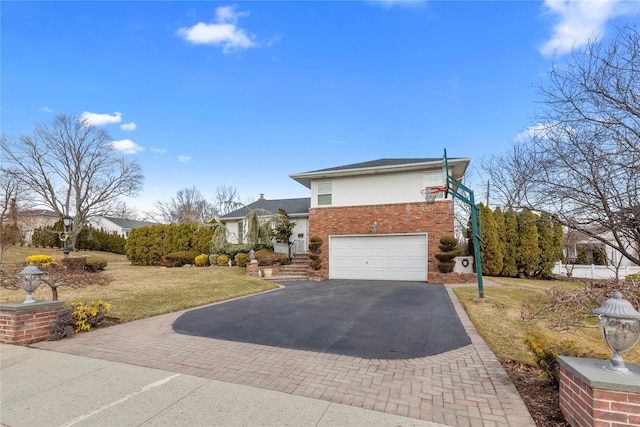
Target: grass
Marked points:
139	292
498	320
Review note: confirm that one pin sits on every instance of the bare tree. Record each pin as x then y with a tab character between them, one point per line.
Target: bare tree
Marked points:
186	207
582	165
72	168
226	199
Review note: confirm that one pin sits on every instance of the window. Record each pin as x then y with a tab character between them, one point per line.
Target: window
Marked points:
324	193
240	232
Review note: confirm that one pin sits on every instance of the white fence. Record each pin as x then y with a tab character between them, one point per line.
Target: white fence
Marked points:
593	271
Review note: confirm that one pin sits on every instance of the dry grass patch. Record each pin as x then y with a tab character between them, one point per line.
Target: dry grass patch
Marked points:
140	292
499	322
17	254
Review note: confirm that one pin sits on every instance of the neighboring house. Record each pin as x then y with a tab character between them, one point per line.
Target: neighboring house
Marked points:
296	209
575	242
29	220
374	221
120	226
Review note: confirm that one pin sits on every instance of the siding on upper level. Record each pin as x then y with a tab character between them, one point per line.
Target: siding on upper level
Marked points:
377	189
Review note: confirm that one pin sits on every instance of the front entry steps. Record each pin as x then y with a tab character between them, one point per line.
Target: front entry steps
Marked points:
293	272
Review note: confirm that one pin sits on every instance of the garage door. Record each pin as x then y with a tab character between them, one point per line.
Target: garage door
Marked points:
378	257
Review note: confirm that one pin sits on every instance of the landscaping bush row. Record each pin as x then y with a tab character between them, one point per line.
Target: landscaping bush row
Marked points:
149	245
89	238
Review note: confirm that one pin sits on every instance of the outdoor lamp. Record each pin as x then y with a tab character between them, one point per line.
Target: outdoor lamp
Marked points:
30	281
66	221
252	255
620	326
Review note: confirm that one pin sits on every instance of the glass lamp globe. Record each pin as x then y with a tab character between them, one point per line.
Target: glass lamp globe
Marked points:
620	327
30	281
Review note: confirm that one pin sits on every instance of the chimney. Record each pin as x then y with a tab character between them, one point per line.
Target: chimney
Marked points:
261	196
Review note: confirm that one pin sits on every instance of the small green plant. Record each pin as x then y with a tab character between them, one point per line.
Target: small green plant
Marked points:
242	259
202	260
95	264
546	354
39	259
87	316
632	278
222	260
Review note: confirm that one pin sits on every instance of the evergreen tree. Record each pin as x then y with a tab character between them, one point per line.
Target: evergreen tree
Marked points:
490	253
498	217
528	250
548	252
511	242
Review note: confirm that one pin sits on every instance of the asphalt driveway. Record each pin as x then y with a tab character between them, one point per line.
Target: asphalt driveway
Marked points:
367	319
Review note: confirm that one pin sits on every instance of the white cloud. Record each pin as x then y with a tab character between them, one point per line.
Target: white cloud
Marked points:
582	21
223	32
128	126
101	119
158	150
46	109
184	159
126	146
389	3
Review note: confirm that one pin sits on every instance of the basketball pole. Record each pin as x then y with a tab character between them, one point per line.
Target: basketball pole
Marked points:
454	186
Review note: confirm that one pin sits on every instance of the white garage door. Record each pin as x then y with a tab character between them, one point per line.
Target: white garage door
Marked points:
378	257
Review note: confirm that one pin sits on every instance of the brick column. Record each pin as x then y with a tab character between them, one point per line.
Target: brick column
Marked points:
593	397
252	269
27	323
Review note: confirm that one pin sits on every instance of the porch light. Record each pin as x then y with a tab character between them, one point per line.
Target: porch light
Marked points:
30	281
620	326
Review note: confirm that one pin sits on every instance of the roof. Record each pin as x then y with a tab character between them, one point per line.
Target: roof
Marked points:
457	168
293	207
129	223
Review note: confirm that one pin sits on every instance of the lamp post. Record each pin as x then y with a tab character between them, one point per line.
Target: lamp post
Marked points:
620	327
66	221
30	281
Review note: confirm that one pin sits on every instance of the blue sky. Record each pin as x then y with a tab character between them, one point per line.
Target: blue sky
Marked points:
243	94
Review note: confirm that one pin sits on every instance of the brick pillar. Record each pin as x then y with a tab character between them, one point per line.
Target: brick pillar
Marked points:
593	397
252	269
27	323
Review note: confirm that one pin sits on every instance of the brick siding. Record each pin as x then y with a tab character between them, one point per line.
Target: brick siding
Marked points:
28	324
435	219
584	406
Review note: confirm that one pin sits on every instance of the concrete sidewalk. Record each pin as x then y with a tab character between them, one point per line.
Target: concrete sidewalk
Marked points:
463	387
46	388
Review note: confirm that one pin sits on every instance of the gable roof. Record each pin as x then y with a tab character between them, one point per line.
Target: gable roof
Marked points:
129	223
457	168
293	207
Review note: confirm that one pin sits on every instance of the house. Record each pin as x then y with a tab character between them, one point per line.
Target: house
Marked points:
296	209
30	219
374	220
120	226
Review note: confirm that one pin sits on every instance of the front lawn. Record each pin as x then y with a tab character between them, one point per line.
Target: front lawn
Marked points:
499	322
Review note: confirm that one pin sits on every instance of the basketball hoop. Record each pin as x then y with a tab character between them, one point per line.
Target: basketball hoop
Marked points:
430	193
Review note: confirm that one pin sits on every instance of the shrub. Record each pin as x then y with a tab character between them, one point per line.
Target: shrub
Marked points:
87	316
74	263
95	264
315	243
63	326
449	250
242	259
39	259
222	260
178	259
546	355
632	278
202	260
267	257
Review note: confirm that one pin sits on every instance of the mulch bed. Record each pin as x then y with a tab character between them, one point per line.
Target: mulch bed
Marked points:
541	399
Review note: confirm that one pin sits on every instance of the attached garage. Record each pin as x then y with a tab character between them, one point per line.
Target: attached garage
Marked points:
378	257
